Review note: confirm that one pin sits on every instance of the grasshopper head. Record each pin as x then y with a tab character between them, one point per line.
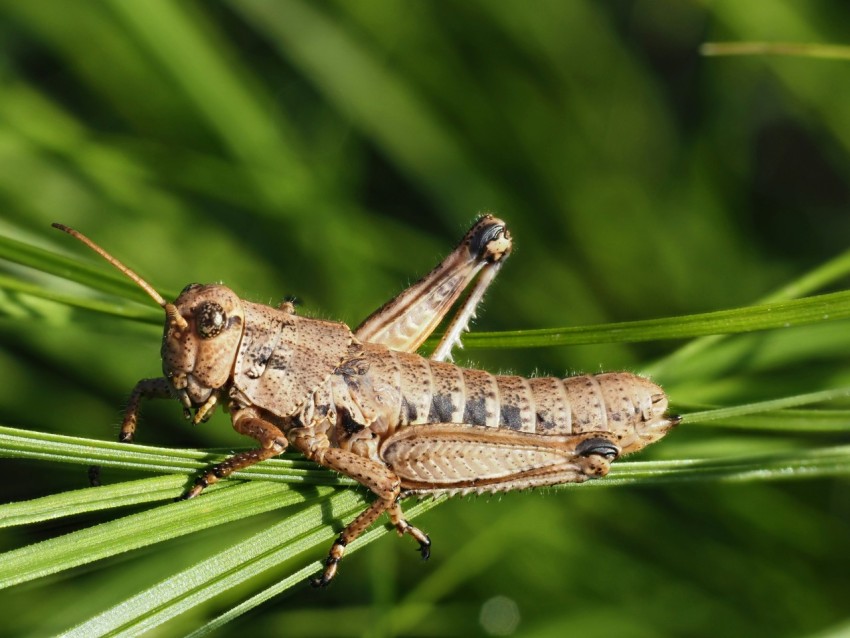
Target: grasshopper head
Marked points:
203	329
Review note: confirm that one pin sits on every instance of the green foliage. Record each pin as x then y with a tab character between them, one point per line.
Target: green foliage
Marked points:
333	151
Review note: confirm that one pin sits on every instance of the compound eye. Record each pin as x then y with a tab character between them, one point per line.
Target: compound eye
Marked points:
211	319
600	447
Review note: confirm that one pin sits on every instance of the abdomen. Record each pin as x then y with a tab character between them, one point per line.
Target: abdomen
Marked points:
402	389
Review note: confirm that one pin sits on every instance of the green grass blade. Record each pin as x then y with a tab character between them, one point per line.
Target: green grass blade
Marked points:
789	421
814	463
717	414
793	49
106	497
131	311
784	314
820	277
97	277
18	443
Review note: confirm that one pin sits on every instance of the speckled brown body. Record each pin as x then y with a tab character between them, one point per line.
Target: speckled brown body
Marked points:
363	404
441	427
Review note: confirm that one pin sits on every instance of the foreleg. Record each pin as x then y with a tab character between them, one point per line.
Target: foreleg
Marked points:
145	389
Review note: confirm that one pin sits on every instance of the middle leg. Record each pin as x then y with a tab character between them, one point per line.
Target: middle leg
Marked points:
246	421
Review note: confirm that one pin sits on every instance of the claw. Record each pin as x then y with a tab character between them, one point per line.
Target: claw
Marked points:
425	548
196	489
331	562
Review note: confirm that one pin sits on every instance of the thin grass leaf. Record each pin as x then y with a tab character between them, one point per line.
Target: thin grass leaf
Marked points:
94	276
131	311
18	443
824	275
717	414
813	421
103	498
798	464
784	314
792	49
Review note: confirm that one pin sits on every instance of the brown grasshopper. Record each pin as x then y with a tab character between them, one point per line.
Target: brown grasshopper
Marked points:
363	404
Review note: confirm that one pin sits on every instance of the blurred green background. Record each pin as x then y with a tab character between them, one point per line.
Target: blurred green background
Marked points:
335	151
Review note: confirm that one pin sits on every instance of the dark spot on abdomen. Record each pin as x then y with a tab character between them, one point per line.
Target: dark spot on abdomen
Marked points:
543	423
509	418
408	410
441	409
475	411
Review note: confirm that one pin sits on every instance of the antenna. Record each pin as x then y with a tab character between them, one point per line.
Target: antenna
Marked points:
170	309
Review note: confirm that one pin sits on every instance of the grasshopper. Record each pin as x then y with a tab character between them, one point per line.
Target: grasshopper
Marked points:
363	404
